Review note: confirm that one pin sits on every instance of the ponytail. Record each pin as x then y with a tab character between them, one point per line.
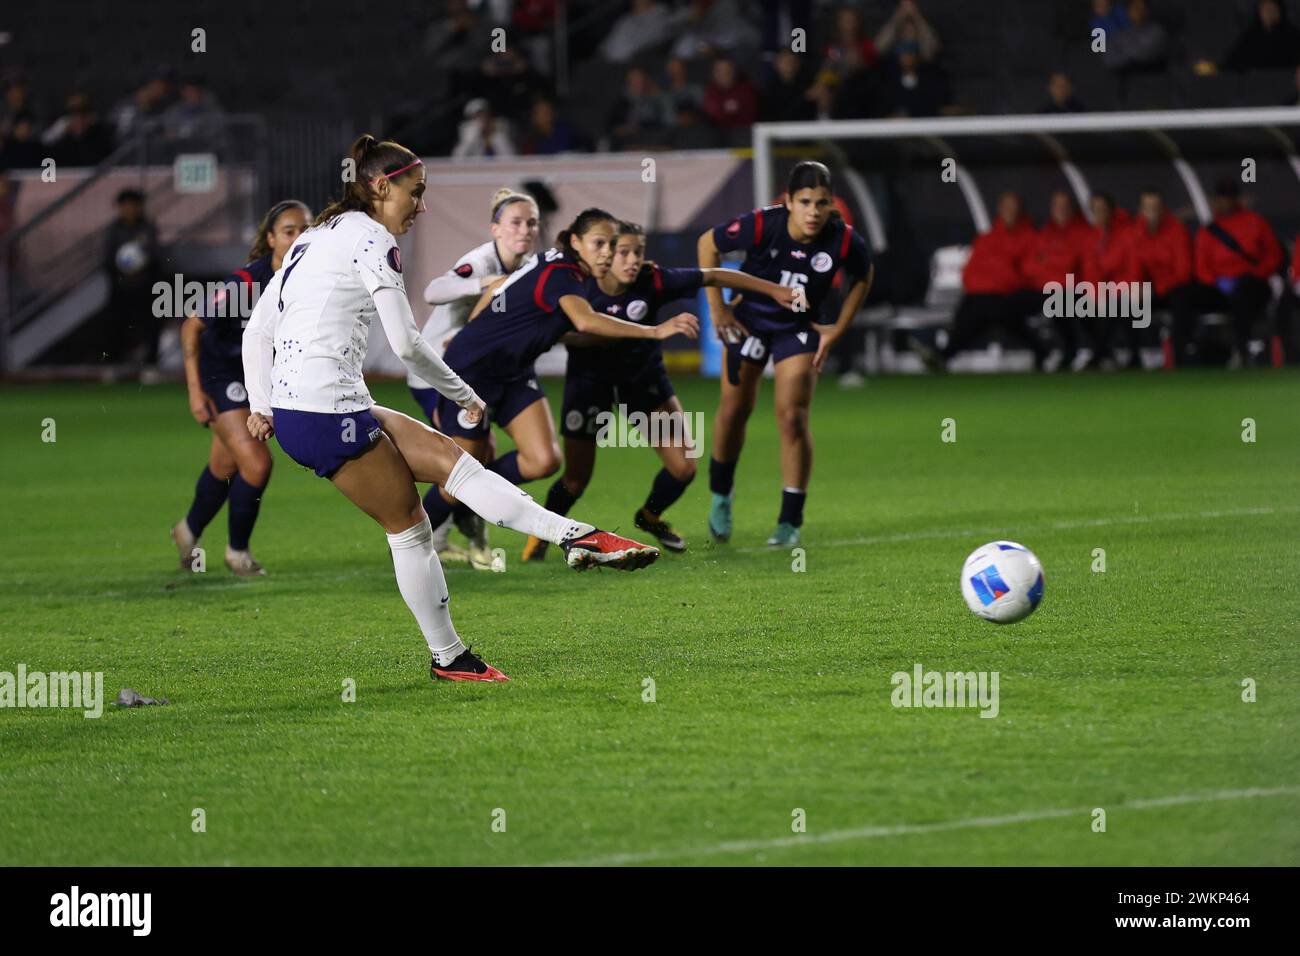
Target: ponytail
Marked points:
371	159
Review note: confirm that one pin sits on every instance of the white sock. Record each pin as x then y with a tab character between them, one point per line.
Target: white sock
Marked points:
506	506
424	588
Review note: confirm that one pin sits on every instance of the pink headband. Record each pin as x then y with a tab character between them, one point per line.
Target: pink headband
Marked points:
398	172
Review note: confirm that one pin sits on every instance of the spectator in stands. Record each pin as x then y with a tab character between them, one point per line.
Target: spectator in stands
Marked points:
1142	47
547	132
78	138
21	148
913	88
1109	259
149	102
17	101
482	133
454	43
1109	16
846	61
997	292
132	261
785	96
1060	250
909	26
712	28
638	112
730	100
1235	255
1271	42
193	112
508	81
679	88
646	25
1060	96
691	130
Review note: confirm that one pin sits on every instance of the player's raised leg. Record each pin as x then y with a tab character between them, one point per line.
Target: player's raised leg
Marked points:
381	484
795	379
734	408
504	504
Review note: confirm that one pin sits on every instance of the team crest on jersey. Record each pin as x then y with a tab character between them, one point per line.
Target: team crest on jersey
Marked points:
236	392
636	310
395	260
821	262
464	270
798	254
733	228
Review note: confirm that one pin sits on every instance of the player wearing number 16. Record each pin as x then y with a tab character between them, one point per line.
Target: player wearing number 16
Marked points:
802	243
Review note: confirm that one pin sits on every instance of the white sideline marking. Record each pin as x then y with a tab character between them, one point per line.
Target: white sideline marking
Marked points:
904	536
906	829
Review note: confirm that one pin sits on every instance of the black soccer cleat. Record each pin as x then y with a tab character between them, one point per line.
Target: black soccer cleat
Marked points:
664	533
467	666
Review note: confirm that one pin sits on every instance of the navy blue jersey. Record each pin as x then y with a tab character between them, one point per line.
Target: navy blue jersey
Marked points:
229	309
523	321
624	359
771	254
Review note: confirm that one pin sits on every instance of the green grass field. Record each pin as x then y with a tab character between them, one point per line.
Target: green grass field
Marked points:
1123	692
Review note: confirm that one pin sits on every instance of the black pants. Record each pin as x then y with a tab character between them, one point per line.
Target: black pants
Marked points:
977	315
1246	304
128	323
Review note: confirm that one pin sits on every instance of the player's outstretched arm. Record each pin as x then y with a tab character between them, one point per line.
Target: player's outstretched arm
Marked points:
488	291
587	319
449	287
787	297
857	294
416	354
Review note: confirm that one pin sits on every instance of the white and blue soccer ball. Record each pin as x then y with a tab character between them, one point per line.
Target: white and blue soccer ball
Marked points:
131	257
1002	582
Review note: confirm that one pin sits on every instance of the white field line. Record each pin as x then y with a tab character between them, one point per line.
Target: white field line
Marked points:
1054	526
907	829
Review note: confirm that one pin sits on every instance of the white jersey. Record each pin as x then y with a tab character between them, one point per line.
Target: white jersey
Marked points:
326	299
465	281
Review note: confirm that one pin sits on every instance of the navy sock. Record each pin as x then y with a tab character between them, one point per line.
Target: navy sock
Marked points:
722	476
665	490
507	466
209	495
436	506
792	506
245	500
560	499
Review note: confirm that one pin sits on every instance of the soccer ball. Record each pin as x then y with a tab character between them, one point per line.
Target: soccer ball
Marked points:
131	258
1002	582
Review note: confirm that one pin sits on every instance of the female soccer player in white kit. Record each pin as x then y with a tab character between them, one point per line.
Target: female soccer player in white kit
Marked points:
303	352
514	218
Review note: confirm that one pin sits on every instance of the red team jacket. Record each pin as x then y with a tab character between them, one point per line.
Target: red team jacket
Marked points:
1163	257
997	257
1109	253
1059	251
1255	236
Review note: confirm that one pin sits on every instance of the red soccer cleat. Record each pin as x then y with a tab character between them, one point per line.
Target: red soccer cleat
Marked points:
602	549
467	666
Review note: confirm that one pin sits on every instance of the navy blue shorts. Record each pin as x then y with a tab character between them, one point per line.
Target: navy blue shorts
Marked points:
325	441
224	383
757	347
504	400
586	395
